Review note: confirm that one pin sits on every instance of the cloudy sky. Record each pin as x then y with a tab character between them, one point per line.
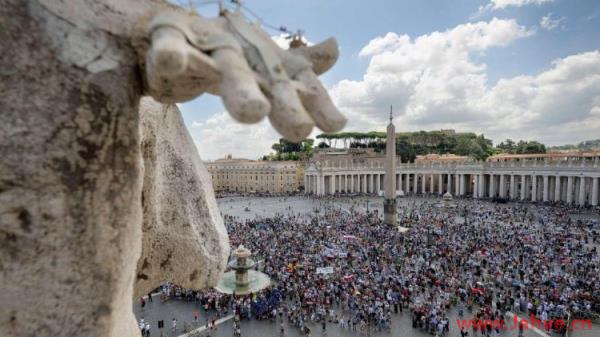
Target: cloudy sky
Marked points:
521	69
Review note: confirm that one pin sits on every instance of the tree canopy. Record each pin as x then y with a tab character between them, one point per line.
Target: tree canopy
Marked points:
286	150
522	147
411	144
586	145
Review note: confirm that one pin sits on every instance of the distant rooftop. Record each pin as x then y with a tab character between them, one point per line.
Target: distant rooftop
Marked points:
569	154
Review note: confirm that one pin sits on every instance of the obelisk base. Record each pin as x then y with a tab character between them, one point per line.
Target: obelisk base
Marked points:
389	212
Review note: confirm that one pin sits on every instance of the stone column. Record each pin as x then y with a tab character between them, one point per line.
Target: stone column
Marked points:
322	184
348	183
318	185
416	183
557	188
423	183
372	183
569	190
476	186
492	191
389	203
595	191
456	184
364	183
581	199
440	184
449	185
545	191
305	184
352	183
512	188
481	192
533	188
332	184
431	183
523	187
461	184
502	186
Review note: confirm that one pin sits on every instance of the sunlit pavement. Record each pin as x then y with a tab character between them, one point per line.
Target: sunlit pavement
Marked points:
183	312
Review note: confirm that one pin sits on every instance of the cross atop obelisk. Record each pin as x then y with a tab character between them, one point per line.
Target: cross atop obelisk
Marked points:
389	203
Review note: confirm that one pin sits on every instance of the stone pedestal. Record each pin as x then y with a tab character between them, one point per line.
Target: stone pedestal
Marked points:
389	212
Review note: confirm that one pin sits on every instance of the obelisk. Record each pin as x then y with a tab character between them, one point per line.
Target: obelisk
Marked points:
389	202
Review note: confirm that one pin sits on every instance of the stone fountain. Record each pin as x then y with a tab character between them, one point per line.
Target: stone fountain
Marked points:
242	279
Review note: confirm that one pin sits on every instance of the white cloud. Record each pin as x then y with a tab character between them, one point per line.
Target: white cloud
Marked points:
221	135
502	4
548	23
434	83
197	124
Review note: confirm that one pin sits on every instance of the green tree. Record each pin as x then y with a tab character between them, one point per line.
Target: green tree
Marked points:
286	150
527	147
507	146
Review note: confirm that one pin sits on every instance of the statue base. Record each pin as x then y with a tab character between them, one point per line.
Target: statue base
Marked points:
389	212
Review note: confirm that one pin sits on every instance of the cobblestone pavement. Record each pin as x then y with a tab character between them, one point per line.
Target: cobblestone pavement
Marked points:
268	206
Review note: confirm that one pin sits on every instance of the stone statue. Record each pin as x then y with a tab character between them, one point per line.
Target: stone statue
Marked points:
102	194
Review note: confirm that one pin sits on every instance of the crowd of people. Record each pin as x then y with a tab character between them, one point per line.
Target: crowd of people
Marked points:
343	266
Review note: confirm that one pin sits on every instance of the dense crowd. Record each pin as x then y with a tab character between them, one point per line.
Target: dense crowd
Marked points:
343	266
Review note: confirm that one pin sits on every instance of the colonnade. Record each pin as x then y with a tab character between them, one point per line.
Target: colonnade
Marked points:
344	183
570	188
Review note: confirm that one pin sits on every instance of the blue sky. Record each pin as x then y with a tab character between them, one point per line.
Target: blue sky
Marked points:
525	69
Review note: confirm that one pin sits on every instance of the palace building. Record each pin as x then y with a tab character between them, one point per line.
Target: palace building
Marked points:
571	177
245	175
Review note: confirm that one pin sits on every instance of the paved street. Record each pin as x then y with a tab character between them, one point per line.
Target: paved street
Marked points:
183	312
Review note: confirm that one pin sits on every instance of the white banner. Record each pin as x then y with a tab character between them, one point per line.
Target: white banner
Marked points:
325	270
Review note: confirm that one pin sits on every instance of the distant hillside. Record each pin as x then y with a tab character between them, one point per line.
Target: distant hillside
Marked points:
587	145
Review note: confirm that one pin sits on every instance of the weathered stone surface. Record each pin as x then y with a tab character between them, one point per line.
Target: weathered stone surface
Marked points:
71	180
81	162
184	238
70	183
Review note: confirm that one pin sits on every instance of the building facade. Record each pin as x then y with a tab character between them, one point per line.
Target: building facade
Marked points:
569	177
255	176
